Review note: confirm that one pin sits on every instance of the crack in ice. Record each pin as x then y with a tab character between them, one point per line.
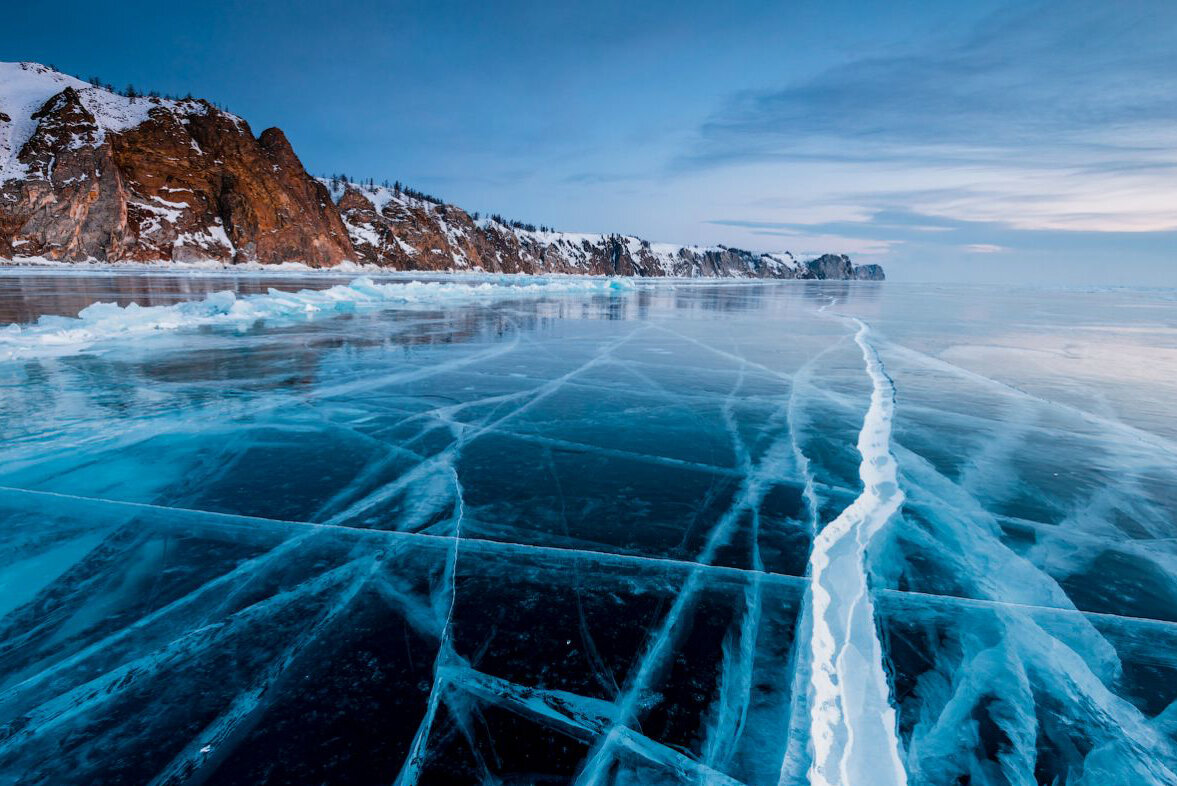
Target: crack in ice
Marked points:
739	647
852	721
581	717
246	525
96	692
465	433
201	757
411	770
755	486
794	758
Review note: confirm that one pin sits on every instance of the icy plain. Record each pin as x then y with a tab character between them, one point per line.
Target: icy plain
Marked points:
304	529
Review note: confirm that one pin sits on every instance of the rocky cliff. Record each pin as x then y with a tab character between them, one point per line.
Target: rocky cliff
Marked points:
394	229
87	174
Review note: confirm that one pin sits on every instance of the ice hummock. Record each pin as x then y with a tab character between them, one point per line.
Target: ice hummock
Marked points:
102	322
853	726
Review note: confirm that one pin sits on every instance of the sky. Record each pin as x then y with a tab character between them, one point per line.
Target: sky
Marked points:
988	141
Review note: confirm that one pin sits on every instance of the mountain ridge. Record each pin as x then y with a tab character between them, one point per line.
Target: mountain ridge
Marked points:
88	174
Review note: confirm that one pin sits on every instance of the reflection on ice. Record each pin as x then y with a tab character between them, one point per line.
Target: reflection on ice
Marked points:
683	533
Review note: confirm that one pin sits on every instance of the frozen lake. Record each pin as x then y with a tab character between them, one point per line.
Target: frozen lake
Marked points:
581	531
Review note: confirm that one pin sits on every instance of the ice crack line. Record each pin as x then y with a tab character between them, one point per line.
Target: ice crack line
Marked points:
852	721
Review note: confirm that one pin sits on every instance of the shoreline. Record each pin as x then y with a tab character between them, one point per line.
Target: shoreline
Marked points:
352	269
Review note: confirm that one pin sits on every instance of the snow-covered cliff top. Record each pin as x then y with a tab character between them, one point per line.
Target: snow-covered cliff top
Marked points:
576	247
25	87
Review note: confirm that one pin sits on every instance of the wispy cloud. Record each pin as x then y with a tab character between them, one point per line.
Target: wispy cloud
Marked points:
805	241
1051	116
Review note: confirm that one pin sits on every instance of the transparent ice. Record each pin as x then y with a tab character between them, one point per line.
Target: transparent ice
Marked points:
307	530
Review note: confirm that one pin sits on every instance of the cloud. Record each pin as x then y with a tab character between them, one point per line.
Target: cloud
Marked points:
804	242
985	248
1057	116
1092	75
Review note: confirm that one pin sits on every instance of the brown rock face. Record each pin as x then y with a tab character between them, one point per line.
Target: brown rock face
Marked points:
187	182
72	204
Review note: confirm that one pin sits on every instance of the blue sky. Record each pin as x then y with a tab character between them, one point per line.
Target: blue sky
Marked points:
982	141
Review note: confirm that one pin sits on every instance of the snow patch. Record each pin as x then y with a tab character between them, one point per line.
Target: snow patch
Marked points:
362	233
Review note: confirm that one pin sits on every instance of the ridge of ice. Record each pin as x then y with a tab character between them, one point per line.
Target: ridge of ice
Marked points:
58	335
852	721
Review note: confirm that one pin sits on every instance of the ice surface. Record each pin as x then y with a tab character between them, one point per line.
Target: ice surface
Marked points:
473	532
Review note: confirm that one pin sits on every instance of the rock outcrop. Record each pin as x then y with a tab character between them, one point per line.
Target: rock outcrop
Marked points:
106	177
397	230
87	174
839	266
